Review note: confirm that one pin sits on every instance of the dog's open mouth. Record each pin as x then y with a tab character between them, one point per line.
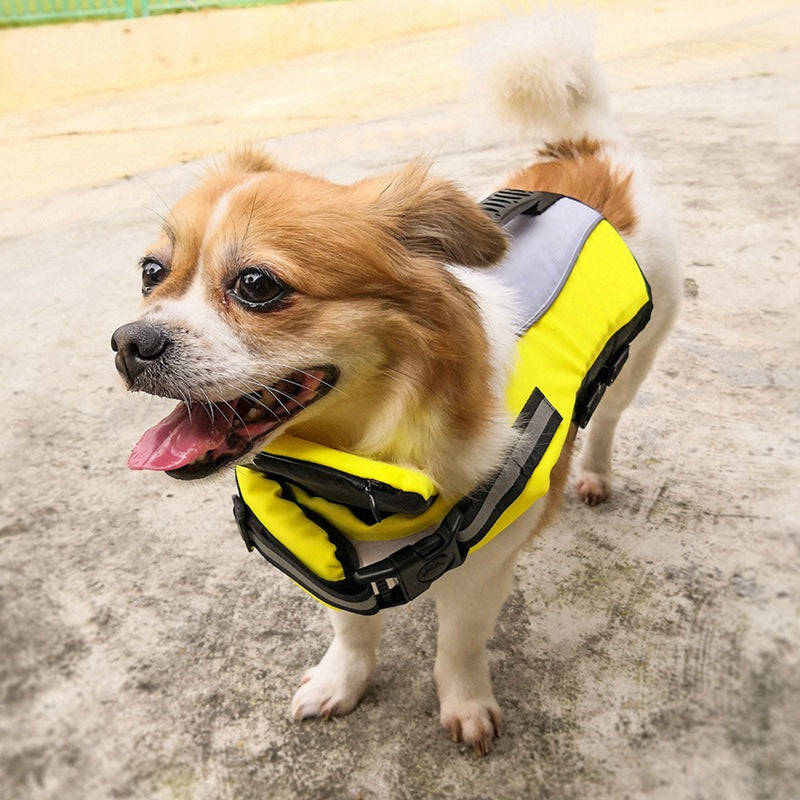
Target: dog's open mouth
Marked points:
198	438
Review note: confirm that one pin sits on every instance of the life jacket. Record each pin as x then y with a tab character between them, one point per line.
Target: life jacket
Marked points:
362	535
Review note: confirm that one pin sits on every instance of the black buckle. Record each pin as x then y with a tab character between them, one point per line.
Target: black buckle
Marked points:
615	365
608	374
410	571
582	420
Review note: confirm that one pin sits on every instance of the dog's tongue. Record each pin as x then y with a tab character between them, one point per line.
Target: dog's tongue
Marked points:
188	433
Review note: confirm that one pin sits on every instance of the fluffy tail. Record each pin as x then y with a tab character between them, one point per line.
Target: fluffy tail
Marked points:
539	72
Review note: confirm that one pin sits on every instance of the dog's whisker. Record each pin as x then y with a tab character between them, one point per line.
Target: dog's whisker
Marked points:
188	403
414	379
232	407
275	392
208	406
250	216
245	383
279	401
256	401
167	224
308	374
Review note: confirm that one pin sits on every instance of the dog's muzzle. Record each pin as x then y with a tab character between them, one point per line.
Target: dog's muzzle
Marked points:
138	345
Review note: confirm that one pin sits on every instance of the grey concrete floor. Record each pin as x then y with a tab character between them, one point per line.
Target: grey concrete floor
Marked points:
650	647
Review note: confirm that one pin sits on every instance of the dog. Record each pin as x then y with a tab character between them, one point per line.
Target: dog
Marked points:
366	318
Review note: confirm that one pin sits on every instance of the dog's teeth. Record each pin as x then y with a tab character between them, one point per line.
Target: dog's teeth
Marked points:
253	414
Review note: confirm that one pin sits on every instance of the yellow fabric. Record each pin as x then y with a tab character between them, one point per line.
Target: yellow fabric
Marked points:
395	526
404	478
287	523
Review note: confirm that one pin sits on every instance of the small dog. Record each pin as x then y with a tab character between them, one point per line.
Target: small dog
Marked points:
366	318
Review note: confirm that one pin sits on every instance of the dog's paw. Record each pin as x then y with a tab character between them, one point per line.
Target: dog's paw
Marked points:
331	689
476	723
594	488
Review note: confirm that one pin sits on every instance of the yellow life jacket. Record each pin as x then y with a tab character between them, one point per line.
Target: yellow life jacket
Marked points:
361	534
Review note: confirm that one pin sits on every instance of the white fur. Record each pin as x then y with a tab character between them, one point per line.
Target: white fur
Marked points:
502	317
213	358
541	74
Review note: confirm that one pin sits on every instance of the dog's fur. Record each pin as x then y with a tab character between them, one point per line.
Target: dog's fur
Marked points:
390	283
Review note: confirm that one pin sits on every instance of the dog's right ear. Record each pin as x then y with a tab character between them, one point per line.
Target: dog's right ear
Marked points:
249	159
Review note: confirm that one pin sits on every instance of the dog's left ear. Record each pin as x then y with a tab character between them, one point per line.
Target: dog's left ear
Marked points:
435	219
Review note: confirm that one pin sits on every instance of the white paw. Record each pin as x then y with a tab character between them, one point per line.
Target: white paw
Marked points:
594	488
332	688
474	722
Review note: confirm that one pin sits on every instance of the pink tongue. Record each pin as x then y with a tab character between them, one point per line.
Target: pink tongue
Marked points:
180	438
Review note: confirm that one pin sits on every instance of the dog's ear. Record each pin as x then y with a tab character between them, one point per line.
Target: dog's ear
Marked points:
248	159
435	219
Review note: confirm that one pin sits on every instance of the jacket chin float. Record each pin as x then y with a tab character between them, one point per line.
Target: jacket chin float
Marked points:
362	535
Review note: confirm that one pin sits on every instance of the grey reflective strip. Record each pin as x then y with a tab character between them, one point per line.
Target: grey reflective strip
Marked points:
537	434
317	589
543	253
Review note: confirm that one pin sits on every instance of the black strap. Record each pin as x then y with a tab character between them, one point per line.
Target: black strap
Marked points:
412	569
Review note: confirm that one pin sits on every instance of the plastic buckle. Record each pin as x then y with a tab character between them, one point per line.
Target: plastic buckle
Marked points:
608	374
614	367
410	571
591	405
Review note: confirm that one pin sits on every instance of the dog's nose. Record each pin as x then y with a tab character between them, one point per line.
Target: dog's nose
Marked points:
137	345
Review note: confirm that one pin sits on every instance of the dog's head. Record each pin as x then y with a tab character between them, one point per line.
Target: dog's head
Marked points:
277	300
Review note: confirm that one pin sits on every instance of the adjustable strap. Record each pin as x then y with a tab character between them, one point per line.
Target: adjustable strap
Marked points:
338	486
410	571
537	422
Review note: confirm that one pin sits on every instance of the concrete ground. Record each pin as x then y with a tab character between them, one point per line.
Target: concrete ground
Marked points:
650	648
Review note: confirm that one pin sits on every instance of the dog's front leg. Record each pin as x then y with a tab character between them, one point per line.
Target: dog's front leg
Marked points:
468	600
337	683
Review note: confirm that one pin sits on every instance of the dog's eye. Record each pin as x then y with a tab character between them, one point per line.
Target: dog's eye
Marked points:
153	273
257	288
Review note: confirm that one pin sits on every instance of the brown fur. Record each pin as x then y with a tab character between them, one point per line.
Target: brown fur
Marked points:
577	169
376	248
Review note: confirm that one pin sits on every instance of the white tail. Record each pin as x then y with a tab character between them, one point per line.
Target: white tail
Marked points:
539	73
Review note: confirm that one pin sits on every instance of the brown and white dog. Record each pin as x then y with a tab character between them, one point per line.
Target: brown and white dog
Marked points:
366	318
